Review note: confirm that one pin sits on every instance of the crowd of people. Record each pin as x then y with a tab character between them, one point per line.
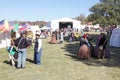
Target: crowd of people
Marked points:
85	51
19	47
59	35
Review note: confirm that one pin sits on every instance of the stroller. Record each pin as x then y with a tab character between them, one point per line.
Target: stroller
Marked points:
12	54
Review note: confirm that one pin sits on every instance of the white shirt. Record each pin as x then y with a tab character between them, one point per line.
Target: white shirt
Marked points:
39	45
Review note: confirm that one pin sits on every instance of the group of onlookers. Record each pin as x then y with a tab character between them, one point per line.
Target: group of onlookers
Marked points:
57	37
73	36
86	49
19	47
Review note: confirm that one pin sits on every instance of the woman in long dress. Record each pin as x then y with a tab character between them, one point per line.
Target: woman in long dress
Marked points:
92	52
103	42
96	47
84	50
53	39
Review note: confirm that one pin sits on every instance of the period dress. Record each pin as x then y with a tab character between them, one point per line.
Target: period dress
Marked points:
53	39
84	50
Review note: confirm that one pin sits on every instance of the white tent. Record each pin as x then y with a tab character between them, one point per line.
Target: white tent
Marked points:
54	24
34	29
115	38
96	26
45	28
5	39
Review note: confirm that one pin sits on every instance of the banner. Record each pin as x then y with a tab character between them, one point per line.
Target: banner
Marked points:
11	26
1	26
24	27
16	27
6	25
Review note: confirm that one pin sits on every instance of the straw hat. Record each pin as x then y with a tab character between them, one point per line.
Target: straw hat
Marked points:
37	34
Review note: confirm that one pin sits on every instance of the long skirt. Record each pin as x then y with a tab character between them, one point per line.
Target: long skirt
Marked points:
92	51
53	40
84	52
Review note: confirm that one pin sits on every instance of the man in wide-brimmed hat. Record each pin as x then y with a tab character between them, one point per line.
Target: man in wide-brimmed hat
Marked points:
37	49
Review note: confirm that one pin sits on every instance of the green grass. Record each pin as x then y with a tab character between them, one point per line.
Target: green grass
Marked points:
59	62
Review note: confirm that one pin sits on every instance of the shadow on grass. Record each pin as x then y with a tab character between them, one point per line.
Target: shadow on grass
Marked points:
10	63
113	61
7	62
66	39
29	60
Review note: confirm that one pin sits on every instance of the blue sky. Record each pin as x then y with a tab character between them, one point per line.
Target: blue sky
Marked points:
46	10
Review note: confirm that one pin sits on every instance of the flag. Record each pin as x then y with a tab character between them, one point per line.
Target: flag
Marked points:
11	26
1	25
6	25
16	27
24	26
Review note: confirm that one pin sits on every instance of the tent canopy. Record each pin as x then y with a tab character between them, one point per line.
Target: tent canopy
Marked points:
45	28
34	29
115	38
5	39
68	22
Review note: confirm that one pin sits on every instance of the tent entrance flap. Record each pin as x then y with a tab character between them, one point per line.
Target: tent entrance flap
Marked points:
65	25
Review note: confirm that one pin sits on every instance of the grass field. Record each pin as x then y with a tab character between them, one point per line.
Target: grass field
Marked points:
59	62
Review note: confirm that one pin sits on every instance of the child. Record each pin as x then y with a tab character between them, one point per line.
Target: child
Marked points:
12	51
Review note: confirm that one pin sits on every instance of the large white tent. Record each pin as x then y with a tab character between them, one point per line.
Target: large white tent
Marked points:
34	29
55	24
45	28
115	38
5	39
